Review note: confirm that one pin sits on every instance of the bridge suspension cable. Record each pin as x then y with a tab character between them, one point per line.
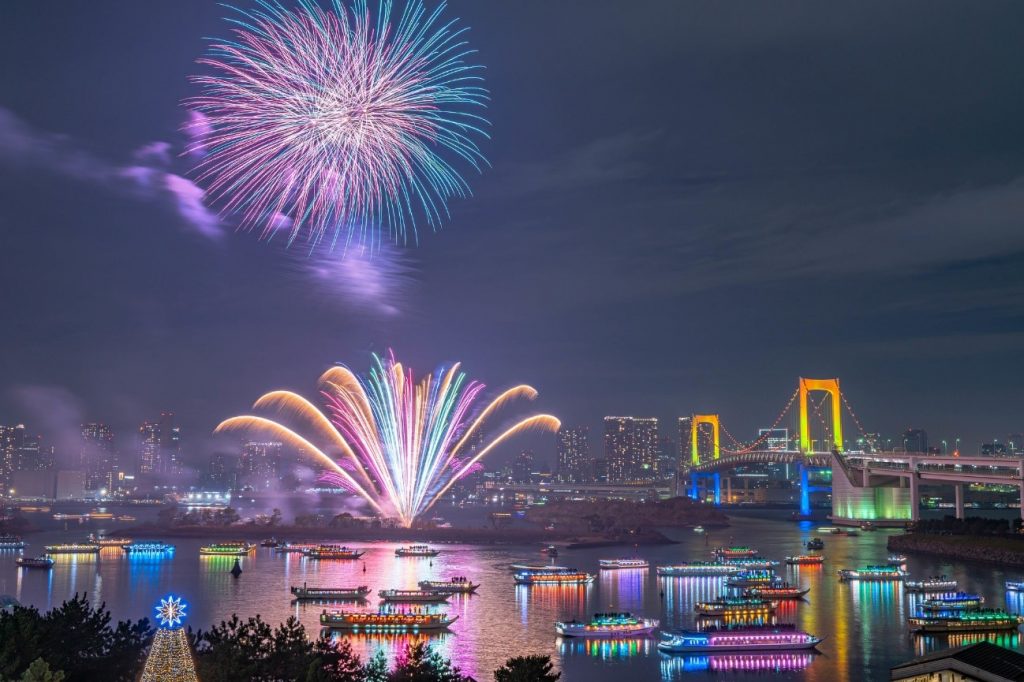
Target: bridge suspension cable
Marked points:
755	444
853	414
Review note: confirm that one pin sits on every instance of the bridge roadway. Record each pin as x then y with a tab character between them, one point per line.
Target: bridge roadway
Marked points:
886	469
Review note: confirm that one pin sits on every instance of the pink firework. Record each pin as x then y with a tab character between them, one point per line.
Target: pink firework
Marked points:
346	122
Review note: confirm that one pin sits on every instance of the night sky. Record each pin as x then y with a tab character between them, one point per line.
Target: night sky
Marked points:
690	205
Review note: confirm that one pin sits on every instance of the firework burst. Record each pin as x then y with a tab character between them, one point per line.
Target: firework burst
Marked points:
346	121
397	443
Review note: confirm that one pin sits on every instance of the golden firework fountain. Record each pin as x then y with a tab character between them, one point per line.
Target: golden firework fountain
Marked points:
170	657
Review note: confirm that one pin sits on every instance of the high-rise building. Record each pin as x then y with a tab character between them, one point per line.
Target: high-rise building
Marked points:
12	438
170	444
631	449
149	448
774	439
223	471
522	467
573	454
260	463
97	458
915	440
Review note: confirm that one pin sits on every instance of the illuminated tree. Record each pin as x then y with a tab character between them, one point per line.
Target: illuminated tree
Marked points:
170	657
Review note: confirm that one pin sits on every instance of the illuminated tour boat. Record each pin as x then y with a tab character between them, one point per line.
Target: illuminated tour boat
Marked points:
333	552
568	578
306	593
104	541
740	607
608	625
896	559
757	639
961	601
539	568
417	550
227	549
1015	585
11	542
611	564
936	583
73	548
35	562
815	543
734	552
149	547
982	620
805	560
699	568
413	596
456	585
385	622
876	573
781	590
751	563
288	548
752	578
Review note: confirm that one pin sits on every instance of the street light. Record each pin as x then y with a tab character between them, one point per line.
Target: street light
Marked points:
945	450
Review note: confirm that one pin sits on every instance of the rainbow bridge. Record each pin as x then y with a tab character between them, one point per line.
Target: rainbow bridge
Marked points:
883	487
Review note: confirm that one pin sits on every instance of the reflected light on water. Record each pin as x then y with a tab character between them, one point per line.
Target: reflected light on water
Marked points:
604	649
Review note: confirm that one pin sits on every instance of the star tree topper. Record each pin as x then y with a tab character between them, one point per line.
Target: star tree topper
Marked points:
171	611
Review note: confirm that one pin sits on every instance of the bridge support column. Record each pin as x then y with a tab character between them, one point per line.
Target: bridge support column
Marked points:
915	498
718	488
694	494
805	491
728	490
958	490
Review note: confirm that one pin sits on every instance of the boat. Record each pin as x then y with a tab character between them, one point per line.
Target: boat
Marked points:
752	579
611	564
896	559
699	568
457	585
607	625
744	607
306	593
734	552
35	562
958	601
269	542
936	583
868	526
830	529
414	596
876	573
385	622
1015	585
227	549
11	542
982	620
333	552
573	578
417	550
148	547
73	548
698	529
755	639
780	590
751	563
805	560
815	543
287	548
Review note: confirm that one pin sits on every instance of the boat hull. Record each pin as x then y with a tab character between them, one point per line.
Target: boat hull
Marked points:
669	647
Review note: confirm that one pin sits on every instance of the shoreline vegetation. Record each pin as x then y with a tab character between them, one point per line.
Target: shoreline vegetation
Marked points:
991	541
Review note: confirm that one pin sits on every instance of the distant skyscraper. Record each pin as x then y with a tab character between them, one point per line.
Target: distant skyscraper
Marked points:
149	448
522	467
12	438
223	472
631	448
260	463
97	456
774	439
170	444
915	440
573	454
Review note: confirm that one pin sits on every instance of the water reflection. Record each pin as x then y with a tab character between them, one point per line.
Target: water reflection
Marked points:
924	644
605	649
623	589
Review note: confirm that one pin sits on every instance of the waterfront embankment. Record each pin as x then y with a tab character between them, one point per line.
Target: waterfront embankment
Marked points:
1004	550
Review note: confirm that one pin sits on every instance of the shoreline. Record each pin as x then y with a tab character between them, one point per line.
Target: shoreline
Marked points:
989	549
470	536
